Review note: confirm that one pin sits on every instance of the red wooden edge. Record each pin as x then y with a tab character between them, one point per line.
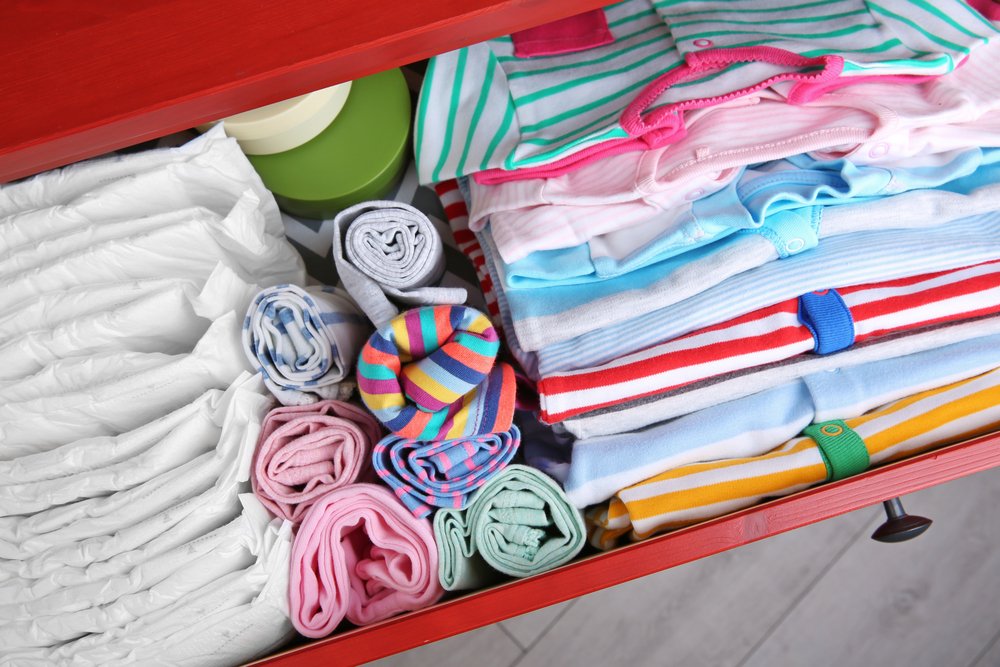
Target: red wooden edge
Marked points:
85	78
608	569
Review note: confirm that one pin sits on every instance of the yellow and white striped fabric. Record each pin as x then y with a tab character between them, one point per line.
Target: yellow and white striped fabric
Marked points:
702	491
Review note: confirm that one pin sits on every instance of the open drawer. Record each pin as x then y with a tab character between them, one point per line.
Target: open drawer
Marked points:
78	84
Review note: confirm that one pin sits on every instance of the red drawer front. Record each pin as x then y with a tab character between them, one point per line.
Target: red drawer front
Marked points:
607	569
85	78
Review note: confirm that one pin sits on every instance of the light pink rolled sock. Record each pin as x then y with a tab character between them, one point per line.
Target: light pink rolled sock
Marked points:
305	451
360	554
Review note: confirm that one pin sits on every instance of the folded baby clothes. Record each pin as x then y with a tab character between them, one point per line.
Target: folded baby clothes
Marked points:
656	408
432	374
304	341
824	322
428	475
518	524
119	405
867	123
755	424
482	107
653	312
388	252
305	451
359	554
826	451
188	249
760	200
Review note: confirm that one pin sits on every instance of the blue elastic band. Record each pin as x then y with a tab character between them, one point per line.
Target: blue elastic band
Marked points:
828	319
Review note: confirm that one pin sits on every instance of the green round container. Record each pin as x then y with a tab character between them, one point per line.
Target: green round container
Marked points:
359	156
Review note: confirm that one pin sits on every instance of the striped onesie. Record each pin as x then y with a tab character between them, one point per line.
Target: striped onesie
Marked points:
484	109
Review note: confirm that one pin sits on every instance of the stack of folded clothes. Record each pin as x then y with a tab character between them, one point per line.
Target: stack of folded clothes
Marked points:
706	228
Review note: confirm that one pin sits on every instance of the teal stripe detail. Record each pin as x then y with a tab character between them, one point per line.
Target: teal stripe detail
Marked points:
374	371
425	93
628	19
508	117
749	10
594	61
477	114
433	427
804	19
613	133
928	7
777	35
542	141
476	344
884	46
428	330
902	19
979	17
449	131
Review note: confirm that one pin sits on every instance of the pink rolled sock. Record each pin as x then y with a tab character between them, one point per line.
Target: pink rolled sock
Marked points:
360	554
305	451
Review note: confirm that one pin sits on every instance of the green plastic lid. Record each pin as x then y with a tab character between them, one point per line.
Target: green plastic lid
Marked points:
360	156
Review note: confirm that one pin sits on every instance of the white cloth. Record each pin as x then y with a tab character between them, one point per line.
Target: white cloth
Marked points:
169	321
234	618
386	252
188	249
35	425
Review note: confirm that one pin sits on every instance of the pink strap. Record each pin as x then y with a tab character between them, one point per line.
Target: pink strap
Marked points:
575	33
660	127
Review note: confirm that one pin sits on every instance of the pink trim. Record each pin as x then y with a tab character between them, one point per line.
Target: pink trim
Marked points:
804	92
666	124
568	35
988	8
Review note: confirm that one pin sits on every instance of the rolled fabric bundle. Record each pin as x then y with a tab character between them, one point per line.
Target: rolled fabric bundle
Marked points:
430	374
359	554
826	451
519	523
306	451
304	341
388	251
426	475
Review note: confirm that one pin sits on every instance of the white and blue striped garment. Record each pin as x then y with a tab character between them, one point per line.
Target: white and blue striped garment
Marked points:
849	259
753	425
304	341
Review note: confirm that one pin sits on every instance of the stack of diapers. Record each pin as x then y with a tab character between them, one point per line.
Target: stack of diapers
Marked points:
129	412
390	253
304	341
307	451
360	555
518	524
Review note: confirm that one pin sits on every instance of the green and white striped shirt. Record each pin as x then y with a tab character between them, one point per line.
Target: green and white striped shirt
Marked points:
483	108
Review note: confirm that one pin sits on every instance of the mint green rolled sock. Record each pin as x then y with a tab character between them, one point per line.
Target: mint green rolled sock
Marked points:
519	523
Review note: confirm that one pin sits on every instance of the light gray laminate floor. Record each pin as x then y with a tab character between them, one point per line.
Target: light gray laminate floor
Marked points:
821	595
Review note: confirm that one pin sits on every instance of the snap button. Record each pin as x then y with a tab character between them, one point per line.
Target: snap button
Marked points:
702	42
695	194
831	430
794	245
878	150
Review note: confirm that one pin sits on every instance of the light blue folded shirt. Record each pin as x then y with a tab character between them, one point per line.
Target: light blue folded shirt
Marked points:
751	426
762	200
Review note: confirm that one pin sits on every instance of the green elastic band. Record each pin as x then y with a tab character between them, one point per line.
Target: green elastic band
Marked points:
843	450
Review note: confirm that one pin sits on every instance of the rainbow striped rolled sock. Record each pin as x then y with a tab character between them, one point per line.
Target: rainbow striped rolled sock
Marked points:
431	374
428	475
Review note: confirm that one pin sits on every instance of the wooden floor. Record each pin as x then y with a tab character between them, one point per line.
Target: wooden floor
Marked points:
822	595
